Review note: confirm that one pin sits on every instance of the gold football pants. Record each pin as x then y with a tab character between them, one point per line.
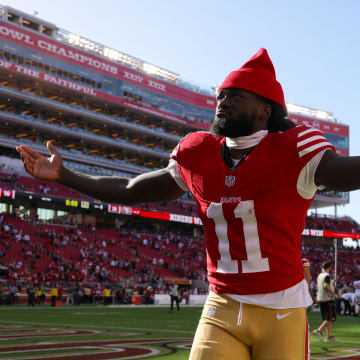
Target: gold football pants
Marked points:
231	330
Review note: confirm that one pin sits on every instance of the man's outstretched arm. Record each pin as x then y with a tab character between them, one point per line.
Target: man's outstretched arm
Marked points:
337	172
155	186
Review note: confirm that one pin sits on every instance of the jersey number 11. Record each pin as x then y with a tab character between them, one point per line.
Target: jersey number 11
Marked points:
227	265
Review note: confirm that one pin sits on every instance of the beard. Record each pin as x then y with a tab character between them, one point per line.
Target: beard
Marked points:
233	127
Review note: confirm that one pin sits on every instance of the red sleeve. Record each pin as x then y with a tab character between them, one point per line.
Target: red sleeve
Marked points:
188	154
183	153
311	141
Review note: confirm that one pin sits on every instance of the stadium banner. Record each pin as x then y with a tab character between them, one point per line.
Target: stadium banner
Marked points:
7	193
92	92
127	210
130	211
164	299
323	125
326	127
13	33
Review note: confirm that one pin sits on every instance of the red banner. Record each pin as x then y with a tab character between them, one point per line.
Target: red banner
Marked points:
90	91
332	234
95	63
51	47
325	126
7	193
127	210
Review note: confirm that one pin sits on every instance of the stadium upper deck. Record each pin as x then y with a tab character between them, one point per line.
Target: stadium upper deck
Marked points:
106	111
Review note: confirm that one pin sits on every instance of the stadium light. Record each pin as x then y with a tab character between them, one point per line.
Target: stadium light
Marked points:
314	113
112	54
151	69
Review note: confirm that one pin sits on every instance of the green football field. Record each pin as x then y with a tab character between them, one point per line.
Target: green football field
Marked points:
96	332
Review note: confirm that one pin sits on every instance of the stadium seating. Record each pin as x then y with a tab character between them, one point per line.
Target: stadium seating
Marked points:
26	183
76	254
72	254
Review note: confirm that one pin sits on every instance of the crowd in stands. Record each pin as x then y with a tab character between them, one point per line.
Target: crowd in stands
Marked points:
132	258
135	256
24	183
325	222
348	263
49	253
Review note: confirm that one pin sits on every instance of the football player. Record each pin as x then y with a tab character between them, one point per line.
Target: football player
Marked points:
253	176
347	301
357	287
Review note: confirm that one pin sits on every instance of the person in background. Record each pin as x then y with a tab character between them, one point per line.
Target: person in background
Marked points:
357	288
31	295
13	290
357	304
70	295
347	301
87	293
174	296
326	296
43	295
54	295
38	295
106	296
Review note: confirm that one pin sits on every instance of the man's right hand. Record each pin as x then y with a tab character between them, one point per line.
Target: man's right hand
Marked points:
41	167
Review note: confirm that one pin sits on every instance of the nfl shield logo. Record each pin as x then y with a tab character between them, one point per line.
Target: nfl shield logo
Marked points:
229	180
211	311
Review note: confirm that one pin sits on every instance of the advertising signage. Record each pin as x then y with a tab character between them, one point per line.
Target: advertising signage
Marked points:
71	54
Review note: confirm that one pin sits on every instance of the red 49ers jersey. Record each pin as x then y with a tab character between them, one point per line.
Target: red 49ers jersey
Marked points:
253	215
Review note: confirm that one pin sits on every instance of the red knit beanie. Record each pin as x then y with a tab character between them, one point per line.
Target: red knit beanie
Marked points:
258	76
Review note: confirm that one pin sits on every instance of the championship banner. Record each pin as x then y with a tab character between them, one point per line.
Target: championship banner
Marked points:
70	54
99	94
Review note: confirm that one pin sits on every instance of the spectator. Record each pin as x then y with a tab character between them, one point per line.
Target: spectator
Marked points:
31	295
53	295
326	296
106	296
174	297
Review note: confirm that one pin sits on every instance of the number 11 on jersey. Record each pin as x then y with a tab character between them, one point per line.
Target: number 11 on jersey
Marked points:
255	262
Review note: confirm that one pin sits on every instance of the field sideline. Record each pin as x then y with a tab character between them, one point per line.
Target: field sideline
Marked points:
129	332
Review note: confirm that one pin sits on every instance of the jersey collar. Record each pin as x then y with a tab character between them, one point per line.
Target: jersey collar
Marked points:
246	142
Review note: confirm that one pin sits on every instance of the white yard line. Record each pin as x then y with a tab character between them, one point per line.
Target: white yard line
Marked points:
350	342
96	326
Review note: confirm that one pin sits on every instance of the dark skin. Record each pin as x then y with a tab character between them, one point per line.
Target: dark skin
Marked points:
237	105
336	172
